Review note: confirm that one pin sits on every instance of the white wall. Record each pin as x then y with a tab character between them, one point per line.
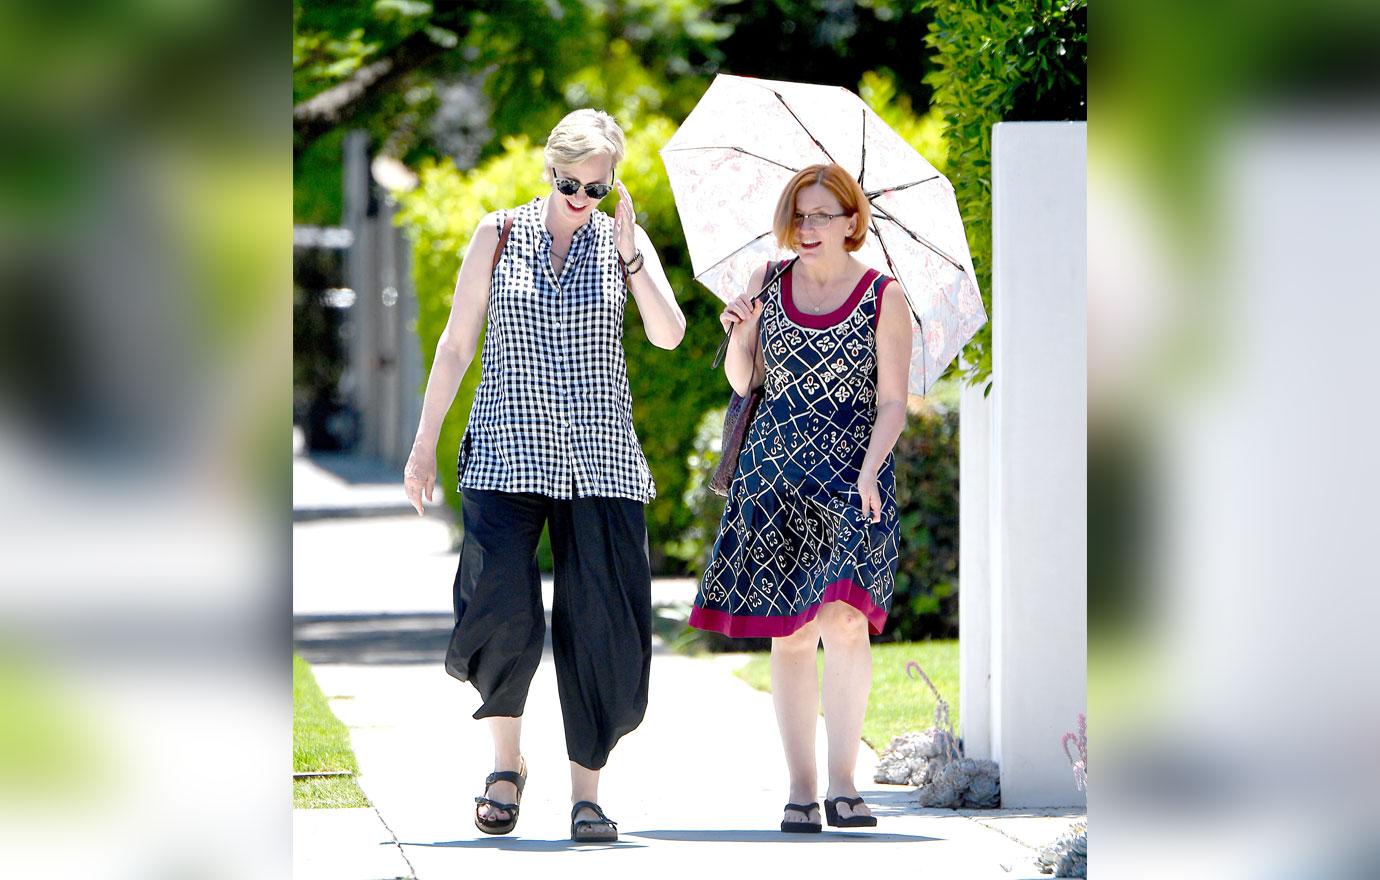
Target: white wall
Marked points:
974	571
1032	573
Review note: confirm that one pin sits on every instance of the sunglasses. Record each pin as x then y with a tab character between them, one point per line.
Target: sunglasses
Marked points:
569	187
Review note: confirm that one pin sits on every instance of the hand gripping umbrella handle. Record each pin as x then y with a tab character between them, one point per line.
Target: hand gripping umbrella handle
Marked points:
723	346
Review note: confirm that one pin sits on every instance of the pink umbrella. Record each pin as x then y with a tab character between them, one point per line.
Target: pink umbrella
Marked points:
744	141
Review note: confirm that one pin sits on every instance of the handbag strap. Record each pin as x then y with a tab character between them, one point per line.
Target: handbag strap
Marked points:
502	240
766	285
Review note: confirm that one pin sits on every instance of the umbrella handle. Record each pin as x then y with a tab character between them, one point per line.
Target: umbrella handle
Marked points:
723	350
723	346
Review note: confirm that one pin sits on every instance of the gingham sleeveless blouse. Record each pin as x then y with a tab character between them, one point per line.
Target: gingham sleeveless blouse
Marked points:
553	413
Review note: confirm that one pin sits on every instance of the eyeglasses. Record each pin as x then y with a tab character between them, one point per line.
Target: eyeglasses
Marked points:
569	187
816	220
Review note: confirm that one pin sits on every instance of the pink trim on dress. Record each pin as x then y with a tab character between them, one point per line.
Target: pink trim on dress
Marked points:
823	322
746	626
877	312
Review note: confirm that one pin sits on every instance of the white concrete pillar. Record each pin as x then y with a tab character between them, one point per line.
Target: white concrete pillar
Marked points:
1038	513
974	575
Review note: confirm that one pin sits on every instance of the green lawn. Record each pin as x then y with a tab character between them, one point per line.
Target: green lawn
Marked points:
320	742
898	704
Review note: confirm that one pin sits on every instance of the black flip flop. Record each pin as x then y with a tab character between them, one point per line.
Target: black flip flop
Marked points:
801	827
831	813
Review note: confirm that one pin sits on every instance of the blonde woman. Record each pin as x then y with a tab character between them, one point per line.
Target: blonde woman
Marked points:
550	442
807	547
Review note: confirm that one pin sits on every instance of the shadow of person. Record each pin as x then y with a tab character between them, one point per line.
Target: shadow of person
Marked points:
729	835
524	844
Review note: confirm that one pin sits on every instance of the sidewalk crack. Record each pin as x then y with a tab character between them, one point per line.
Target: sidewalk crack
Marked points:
411	871
978	821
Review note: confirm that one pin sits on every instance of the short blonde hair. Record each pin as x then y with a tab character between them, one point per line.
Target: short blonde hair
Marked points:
581	135
844	188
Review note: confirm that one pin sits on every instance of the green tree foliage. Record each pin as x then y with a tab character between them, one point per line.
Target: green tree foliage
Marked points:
995	62
529	61
827	41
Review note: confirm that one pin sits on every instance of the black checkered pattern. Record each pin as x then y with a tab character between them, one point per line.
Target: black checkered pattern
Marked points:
553	414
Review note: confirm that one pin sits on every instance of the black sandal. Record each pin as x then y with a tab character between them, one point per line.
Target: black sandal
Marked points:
801	827
831	812
580	829
501	826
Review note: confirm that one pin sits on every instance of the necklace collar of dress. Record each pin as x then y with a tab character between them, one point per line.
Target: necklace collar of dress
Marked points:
829	319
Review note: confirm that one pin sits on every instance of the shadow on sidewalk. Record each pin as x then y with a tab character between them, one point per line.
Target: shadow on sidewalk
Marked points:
357	470
372	639
828	835
520	844
381	639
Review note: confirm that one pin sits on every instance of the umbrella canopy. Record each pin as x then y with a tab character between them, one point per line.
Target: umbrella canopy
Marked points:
746	138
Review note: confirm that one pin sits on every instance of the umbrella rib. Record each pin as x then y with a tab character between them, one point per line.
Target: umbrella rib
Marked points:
734	149
730	254
891	189
802	126
920	239
862	161
892	266
921	324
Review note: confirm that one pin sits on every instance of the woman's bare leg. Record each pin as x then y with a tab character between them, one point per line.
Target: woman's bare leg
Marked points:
847	683
795	692
507	736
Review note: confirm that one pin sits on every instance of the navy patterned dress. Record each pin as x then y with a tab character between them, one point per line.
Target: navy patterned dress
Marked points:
792	535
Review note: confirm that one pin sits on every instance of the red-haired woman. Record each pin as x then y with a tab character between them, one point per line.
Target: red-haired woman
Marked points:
808	544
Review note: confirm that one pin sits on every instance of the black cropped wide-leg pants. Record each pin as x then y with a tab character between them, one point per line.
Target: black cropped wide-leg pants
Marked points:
601	624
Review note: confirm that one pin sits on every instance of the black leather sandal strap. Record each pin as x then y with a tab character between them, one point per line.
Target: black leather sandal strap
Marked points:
802	808
850	801
603	818
505	776
499	805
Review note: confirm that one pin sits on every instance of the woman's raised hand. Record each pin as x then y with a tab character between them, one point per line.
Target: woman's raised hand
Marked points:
624	224
742	311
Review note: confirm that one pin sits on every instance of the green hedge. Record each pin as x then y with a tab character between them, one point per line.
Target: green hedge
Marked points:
999	62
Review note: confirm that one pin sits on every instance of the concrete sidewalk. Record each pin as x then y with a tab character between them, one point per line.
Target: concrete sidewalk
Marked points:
699	785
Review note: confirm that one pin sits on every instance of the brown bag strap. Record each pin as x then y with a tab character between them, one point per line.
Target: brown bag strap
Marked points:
774	273
502	240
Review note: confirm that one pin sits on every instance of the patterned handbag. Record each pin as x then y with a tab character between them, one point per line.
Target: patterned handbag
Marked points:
736	421
741	410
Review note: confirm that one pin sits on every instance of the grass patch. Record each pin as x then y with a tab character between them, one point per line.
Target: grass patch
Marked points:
898	704
327	792
320	742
